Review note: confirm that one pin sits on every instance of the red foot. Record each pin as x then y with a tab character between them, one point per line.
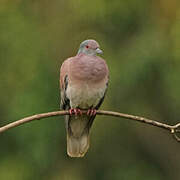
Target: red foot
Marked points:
91	112
75	111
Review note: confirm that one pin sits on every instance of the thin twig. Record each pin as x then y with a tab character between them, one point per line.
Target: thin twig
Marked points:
173	129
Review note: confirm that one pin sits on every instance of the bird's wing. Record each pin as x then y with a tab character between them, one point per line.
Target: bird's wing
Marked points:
65	103
102	99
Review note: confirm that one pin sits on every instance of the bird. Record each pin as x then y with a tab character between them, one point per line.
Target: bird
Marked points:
83	86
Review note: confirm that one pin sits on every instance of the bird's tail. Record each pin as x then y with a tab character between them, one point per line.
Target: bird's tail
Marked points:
78	135
77	147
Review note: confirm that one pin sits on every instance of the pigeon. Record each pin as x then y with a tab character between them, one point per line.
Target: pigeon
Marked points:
83	84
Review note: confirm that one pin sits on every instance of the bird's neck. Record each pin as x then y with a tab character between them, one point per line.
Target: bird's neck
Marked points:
88	53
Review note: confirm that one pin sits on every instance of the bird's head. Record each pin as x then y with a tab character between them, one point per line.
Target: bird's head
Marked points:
90	47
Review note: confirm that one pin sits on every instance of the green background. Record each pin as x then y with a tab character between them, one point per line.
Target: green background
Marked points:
141	44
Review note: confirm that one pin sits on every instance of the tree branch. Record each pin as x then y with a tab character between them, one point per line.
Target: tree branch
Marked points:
173	129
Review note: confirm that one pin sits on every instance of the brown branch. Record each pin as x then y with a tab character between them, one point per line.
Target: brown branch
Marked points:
173	129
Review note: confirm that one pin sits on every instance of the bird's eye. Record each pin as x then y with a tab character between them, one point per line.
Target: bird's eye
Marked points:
87	46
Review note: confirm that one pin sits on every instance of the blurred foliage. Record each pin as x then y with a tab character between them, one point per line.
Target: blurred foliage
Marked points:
141	41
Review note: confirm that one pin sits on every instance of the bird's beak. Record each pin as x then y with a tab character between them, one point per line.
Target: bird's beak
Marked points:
99	51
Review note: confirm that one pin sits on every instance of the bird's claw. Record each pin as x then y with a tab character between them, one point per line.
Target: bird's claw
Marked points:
75	111
91	112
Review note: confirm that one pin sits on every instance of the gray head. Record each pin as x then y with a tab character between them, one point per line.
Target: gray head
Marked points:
90	47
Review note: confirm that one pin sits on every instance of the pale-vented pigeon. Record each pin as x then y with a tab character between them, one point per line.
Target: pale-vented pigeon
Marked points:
83	83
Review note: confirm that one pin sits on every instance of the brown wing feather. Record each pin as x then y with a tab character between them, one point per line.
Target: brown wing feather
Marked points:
63	85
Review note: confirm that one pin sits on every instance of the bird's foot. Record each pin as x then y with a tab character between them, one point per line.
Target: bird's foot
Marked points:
91	112
75	111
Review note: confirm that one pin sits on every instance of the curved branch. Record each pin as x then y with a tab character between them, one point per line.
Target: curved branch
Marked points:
173	129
